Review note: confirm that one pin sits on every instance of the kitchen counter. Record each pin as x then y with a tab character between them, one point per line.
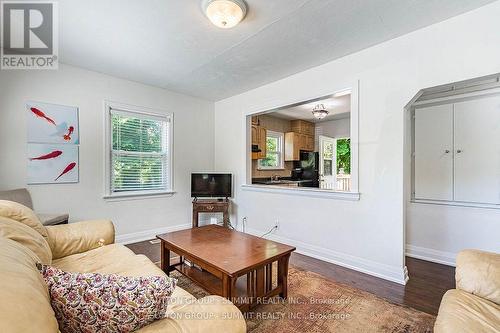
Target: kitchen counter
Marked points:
288	182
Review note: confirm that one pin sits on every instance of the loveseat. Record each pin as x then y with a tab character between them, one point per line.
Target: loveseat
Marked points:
475	305
85	247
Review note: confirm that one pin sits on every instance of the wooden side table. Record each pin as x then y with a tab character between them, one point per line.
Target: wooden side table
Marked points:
211	206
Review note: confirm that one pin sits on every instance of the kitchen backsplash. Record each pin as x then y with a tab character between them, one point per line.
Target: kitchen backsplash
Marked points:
256	173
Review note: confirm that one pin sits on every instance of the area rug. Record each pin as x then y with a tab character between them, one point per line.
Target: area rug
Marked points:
317	304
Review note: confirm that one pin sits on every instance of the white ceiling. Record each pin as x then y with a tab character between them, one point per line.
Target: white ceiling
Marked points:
170	43
338	108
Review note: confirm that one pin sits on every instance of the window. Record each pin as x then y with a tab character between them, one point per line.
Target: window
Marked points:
274	152
139	159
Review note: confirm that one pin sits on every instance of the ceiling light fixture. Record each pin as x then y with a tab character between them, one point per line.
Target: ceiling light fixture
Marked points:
225	13
319	111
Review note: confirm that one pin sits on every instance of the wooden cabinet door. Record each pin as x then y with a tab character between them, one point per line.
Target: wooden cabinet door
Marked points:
262	141
292	151
433	153
309	143
255	135
477	150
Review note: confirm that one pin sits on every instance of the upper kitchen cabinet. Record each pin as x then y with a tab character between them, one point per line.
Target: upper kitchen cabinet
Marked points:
259	135
302	127
456	156
301	138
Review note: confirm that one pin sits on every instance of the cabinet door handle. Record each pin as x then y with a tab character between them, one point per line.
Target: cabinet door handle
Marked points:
459	151
446	151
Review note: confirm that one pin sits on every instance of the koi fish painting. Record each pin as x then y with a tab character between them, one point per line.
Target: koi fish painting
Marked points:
52	123
52	163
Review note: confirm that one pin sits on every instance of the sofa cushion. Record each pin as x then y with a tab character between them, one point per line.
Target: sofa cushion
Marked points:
478	272
25	303
118	259
208	314
23	214
463	312
109	259
26	236
93	302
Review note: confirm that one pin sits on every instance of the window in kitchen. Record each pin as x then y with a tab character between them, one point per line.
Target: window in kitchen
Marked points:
274	152
139	152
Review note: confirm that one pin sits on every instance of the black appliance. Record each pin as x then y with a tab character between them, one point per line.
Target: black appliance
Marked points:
307	168
211	185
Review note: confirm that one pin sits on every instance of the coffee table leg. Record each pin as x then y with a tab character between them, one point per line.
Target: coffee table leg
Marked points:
165	259
228	287
283	275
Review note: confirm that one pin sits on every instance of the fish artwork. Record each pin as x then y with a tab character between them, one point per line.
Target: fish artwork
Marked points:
67	137
68	168
40	114
54	154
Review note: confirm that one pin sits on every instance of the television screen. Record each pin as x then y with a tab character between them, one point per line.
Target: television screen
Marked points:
211	185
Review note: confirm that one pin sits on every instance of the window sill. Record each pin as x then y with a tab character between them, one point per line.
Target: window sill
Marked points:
303	191
137	195
270	169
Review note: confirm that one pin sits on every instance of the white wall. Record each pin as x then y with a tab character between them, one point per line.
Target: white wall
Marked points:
193	146
367	235
340	128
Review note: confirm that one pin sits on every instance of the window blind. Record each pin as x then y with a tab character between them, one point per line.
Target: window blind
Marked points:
139	152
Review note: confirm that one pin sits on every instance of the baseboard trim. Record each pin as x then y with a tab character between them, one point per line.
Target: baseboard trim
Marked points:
140	236
439	257
386	272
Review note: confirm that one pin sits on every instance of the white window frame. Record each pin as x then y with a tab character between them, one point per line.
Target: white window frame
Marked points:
108	150
281	150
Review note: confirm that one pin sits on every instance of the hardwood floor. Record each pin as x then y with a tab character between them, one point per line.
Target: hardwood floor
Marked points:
427	285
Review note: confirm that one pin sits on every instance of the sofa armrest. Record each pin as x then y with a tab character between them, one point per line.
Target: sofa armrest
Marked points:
68	239
478	273
208	314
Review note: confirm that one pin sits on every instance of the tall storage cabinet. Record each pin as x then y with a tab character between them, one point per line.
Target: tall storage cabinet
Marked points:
456	155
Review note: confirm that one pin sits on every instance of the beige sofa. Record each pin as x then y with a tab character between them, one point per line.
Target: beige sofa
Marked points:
475	305
84	247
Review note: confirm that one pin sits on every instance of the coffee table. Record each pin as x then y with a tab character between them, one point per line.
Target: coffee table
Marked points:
227	258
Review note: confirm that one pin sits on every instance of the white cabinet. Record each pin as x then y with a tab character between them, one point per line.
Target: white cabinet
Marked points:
433	152
477	150
457	152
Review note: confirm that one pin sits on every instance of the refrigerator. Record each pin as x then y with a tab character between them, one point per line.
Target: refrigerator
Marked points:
309	166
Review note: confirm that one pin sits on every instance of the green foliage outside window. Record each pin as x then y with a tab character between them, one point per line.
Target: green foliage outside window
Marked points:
344	155
272	155
136	135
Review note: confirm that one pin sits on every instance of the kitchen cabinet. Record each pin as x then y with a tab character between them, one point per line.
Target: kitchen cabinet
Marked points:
300	138
456	154
259	135
294	143
309	143
302	127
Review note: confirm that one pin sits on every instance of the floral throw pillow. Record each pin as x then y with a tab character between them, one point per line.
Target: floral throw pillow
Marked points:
92	302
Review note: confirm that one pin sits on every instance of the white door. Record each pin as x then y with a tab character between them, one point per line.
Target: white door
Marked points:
434	153
477	150
327	162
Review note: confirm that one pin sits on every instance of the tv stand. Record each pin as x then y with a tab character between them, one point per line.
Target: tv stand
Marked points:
211	206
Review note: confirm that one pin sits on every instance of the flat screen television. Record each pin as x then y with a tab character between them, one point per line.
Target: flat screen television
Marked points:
211	185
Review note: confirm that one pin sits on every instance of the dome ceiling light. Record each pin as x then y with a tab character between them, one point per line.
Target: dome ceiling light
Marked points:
224	13
319	111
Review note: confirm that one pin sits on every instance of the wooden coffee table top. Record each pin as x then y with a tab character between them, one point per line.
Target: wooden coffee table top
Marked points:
230	251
